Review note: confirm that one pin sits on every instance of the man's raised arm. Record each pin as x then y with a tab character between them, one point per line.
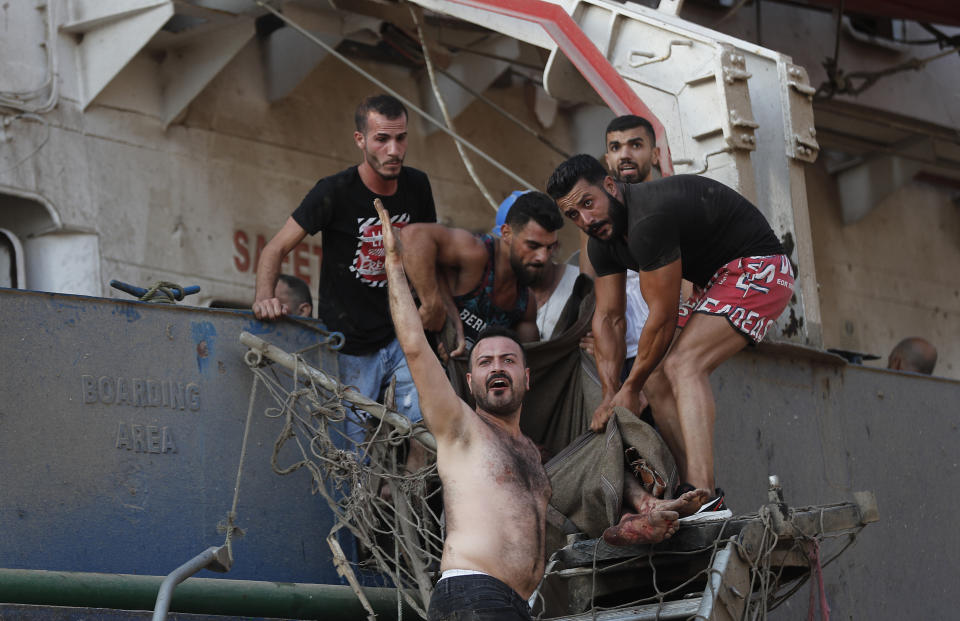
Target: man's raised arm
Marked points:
441	407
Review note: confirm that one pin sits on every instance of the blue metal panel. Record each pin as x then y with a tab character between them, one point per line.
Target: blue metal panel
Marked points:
120	434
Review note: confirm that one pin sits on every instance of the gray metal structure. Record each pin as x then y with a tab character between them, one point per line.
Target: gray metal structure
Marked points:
91	483
121	426
828	429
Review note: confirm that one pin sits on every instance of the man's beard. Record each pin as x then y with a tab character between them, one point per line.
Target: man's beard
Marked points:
616	218
527	275
377	166
505	404
637	175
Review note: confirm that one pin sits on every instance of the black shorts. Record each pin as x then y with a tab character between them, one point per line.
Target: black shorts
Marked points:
476	597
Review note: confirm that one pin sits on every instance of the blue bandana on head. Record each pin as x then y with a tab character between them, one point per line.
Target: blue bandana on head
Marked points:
504	209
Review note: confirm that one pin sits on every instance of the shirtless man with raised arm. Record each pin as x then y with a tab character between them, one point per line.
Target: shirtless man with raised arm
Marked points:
495	490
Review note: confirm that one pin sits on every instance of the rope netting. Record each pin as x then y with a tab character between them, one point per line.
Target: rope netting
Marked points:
357	463
396	515
771	581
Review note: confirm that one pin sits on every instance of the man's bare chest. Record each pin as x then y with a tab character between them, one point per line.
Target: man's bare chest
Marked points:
513	464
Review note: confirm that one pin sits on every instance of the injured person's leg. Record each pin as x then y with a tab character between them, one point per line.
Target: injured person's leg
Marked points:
634	495
652	527
655	518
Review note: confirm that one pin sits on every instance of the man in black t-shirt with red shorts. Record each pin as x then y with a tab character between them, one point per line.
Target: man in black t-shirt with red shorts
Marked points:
689	227
352	296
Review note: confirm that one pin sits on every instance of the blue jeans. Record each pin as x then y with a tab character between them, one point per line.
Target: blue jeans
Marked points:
370	374
476	598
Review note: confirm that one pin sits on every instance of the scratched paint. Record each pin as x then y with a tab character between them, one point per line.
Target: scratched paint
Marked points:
205	337
71	312
254	326
127	311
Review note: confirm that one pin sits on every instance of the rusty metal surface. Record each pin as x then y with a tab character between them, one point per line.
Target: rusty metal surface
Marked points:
120	435
828	430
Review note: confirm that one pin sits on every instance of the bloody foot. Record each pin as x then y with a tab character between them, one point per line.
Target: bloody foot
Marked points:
651	527
642	502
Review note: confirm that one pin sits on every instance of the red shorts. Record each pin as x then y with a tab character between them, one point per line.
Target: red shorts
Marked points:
750	292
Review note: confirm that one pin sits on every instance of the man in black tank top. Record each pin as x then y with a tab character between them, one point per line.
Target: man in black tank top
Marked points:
674	228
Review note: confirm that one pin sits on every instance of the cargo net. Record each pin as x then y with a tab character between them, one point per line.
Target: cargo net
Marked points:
736	575
762	559
394	514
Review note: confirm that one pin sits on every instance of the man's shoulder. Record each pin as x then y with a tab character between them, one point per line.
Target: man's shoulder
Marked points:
460	419
339	179
413	173
334	186
598	247
659	202
673	182
325	200
414	178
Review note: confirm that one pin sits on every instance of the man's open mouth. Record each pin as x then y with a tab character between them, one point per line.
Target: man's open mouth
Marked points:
498	383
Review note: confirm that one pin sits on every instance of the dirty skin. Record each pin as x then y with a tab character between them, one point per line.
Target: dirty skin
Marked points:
655	519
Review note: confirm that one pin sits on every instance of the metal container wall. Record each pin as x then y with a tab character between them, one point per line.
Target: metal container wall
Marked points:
121	426
828	429
91	484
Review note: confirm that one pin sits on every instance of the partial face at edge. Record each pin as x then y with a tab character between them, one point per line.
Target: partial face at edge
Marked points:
498	379
283	293
384	144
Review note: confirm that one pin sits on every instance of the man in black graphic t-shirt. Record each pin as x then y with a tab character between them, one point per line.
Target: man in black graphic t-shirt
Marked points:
679	227
352	296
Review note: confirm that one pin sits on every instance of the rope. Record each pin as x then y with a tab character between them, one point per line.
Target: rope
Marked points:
460	139
416	55
767	589
163	292
402	538
232	515
416	14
